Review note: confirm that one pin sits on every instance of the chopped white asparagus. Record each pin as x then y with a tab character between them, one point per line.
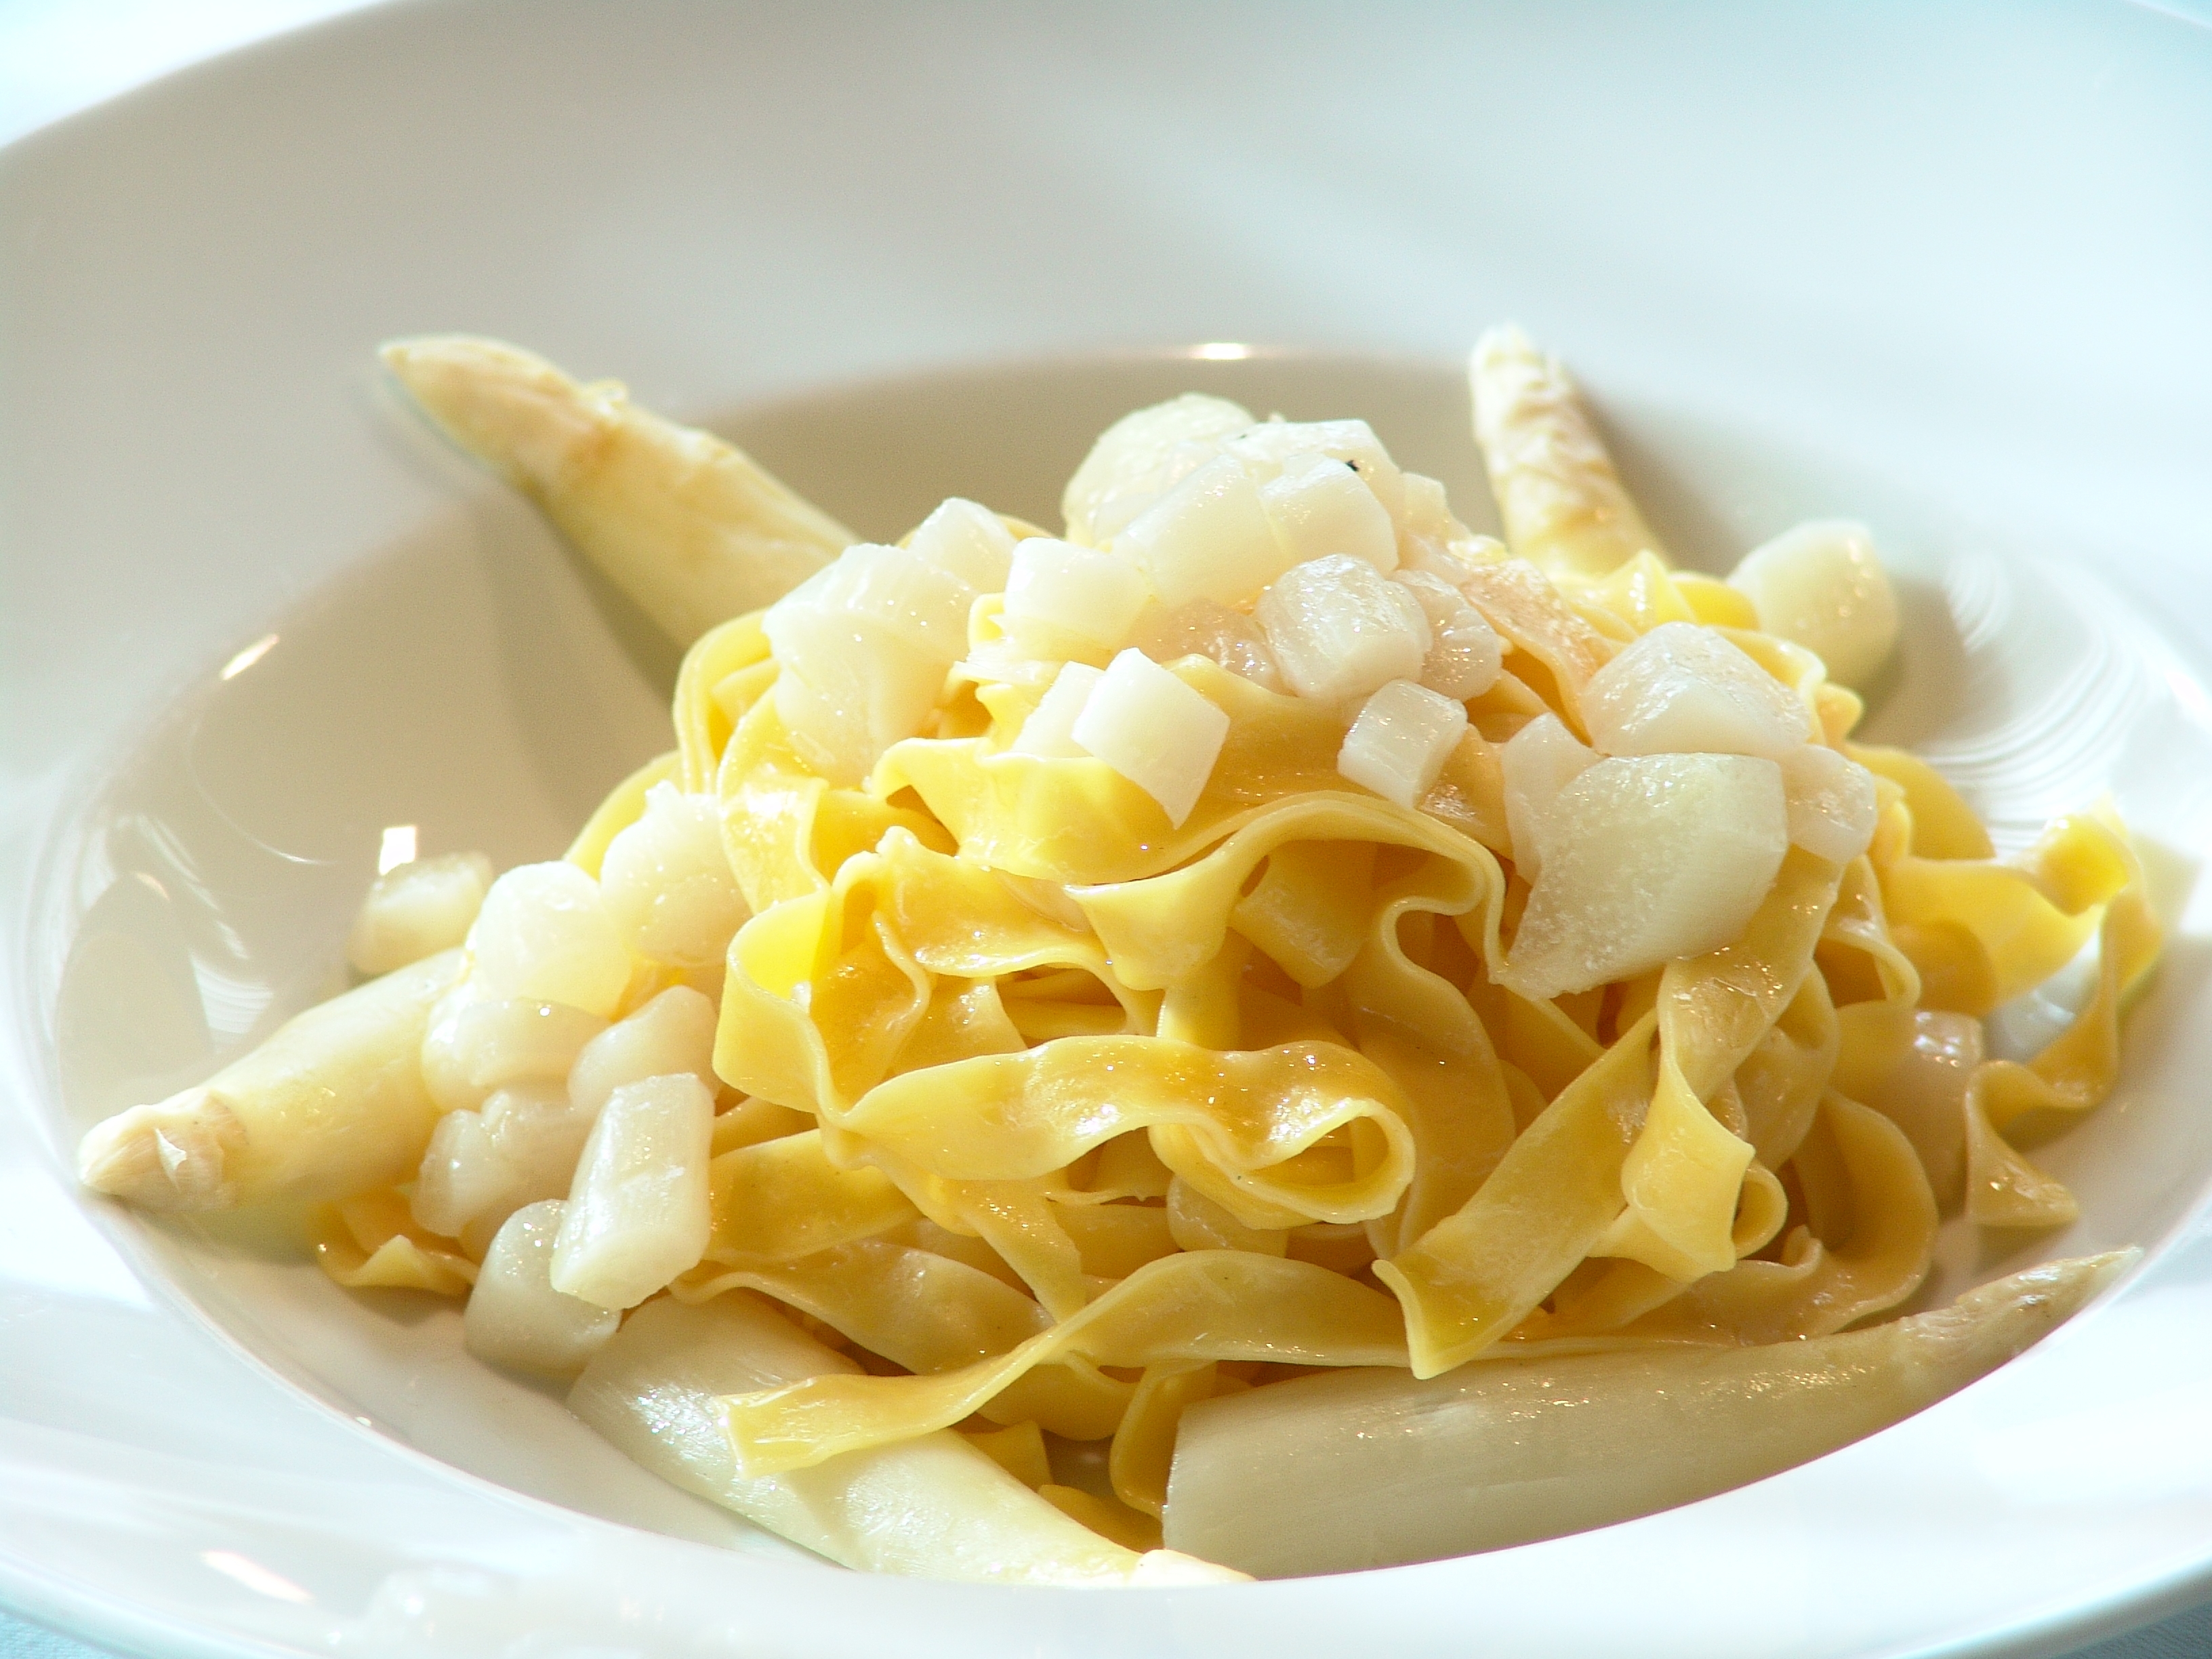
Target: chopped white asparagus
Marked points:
474	1046
1049	731
841	722
416	909
515	1317
1154	730
968	540
851	706
1427	531
673	1033
2022	1029
1318	506
863	647
933	1507
1340	630
1141	457
1063	601
1268	449
482	1166
544	935
1831	802
1682	689
1562	502
539	1099
462	1175
685	524
1540	759
1398	745
1465	653
1822	586
1451	561
541	1131
639	1212
1647	859
332	1104
1209	538
896	589
666	882
1205	628
1367	1468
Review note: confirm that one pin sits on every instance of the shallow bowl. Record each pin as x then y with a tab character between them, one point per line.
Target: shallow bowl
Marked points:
1944	273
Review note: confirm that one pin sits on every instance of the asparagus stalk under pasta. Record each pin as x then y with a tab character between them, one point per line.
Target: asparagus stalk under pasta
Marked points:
1268	926
1370	1468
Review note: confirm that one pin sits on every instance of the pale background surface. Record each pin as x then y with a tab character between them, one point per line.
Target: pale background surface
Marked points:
60	55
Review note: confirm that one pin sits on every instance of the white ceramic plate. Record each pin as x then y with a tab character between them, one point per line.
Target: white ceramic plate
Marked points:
1945	271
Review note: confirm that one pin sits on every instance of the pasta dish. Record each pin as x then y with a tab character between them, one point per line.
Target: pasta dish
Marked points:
1265	1032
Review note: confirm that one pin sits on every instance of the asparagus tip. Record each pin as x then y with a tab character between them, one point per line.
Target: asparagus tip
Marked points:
167	1156
504	405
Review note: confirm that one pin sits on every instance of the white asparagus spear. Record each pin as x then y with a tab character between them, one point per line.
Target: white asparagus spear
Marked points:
515	1317
688	525
332	1104
1367	1469
1563	503
930	1508
639	1210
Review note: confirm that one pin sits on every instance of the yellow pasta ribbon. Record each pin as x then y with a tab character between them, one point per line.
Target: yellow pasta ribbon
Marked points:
1198	1306
372	1242
2072	1073
1477	1273
1682	1177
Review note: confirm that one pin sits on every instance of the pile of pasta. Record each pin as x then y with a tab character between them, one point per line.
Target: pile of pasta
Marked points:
1060	993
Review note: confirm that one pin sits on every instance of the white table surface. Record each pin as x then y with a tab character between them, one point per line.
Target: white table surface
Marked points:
60	55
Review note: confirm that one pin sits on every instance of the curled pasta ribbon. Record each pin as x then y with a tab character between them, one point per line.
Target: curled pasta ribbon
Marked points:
787	830
1143	1446
827	997
1886	1241
931	1314
1482	1270
1197	1305
898	965
783	1199
2072	1073
704	722
1979	930
1646	1170
1682	1179
1856	950
372	1241
1306	1132
1643	594
916	1308
1161	930
1420	1028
